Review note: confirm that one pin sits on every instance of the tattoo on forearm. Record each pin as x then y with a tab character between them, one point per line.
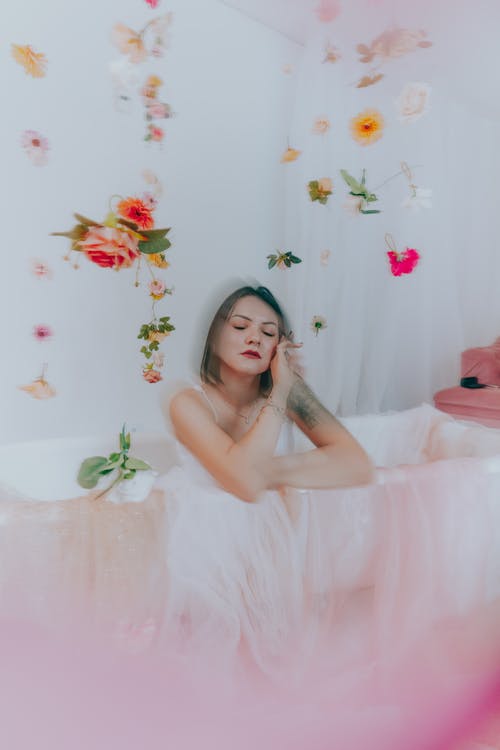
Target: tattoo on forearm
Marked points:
303	402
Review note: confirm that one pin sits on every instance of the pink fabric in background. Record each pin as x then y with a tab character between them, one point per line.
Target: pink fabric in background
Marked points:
482	363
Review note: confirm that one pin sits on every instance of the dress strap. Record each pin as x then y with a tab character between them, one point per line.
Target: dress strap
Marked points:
214	410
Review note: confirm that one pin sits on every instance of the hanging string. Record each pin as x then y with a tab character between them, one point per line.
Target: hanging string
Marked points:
390	242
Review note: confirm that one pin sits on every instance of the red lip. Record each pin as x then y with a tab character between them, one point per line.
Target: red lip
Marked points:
250	353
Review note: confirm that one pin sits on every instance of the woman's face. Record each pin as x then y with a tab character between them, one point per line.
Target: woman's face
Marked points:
249	337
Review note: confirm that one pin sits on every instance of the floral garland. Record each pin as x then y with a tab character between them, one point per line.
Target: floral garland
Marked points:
122	240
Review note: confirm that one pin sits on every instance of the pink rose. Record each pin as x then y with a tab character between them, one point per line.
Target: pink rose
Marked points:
152	376
109	247
156	133
158	110
157	288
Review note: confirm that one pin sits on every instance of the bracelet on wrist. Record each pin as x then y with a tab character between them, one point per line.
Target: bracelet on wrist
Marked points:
278	410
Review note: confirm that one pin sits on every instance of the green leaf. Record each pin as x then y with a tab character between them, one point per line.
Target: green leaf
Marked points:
353	184
154	246
129	474
85	221
155	234
294	259
90	471
77	233
371	211
130	224
287	262
124	440
136	464
272	262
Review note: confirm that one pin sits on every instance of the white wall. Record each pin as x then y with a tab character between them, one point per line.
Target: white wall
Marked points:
222	181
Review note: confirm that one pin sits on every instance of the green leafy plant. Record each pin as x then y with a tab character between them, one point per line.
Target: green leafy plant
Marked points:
154	333
359	190
282	259
125	466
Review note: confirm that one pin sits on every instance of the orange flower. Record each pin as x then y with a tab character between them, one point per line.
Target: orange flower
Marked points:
133	209
291	154
367	127
34	63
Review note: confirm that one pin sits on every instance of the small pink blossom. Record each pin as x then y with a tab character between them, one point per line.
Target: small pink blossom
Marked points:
41	333
151	376
154	134
36	147
150	201
158	110
152	3
157	288
157	50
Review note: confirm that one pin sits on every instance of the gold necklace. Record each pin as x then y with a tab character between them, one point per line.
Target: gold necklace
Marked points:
245	417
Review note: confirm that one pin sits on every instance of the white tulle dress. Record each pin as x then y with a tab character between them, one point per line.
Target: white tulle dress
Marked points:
300	581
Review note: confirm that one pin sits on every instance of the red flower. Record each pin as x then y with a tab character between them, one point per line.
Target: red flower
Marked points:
402	263
42	332
133	209
109	247
152	376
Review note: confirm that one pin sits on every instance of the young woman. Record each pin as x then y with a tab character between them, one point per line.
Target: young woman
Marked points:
232	423
244	551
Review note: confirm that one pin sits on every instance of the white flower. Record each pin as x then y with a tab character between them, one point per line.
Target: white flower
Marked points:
353	205
413	101
158	359
419	198
133	490
324	257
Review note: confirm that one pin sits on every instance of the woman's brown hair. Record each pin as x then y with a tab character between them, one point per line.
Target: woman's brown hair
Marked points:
210	363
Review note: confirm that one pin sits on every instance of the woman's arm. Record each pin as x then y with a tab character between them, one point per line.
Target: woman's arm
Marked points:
237	466
338	459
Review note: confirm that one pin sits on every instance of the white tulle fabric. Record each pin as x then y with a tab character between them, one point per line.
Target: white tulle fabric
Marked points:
335	581
338	577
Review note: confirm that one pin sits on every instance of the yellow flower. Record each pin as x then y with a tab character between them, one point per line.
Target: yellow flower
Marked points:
157	259
34	63
291	154
367	127
154	81
157	335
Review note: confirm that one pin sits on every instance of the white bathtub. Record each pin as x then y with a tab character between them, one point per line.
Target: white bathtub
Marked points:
47	469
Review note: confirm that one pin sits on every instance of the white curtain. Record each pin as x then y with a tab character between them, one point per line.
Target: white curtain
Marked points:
391	342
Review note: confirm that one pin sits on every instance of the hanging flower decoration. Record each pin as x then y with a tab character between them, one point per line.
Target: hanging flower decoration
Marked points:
331	54
321	126
36	147
413	101
391	44
360	192
154	109
419	197
318	323
401	263
154	333
369	80
283	259
327	10
152	180
291	154
40	269
367	127
149	41
39	388
324	257
42	333
34	63
320	190
122	240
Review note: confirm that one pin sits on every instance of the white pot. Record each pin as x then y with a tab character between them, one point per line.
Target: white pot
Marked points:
134	490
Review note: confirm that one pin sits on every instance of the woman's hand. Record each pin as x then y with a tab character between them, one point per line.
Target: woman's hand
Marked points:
283	369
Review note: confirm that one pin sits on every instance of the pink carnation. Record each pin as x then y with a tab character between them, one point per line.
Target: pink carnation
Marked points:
402	263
